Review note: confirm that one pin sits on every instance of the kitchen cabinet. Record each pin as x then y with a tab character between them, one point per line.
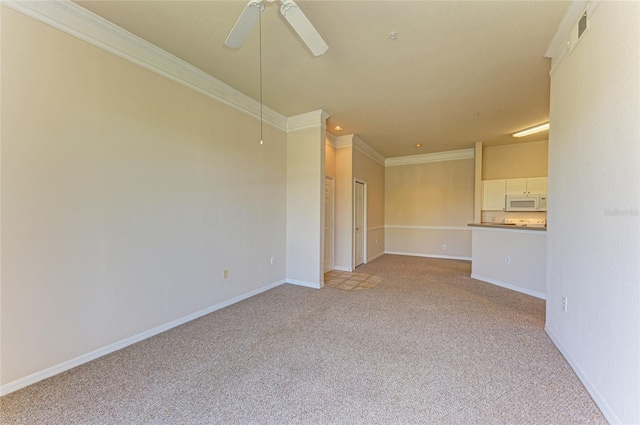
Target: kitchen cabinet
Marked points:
493	192
528	186
537	186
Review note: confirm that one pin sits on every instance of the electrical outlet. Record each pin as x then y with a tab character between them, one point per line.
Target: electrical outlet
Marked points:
507	260
225	273
273	260
444	247
564	303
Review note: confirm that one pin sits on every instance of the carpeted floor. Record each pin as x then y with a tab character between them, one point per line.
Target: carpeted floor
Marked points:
428	345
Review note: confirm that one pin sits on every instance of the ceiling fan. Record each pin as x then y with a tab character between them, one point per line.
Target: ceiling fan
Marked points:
291	12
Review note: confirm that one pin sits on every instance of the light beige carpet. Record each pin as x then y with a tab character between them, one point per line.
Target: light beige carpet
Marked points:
428	345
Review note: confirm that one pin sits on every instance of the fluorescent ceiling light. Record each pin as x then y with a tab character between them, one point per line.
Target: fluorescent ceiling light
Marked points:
532	130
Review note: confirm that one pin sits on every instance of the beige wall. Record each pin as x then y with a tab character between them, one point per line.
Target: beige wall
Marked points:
515	161
124	196
429	205
594	152
430	194
305	206
344	208
371	171
330	159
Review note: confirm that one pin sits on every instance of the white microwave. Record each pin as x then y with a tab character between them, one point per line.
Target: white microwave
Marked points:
526	203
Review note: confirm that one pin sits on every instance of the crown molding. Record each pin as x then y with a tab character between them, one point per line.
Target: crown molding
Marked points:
353	141
431	157
345	141
331	140
72	19
308	120
559	45
368	150
571	16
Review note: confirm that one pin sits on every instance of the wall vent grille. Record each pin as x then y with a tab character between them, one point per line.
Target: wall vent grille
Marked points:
582	24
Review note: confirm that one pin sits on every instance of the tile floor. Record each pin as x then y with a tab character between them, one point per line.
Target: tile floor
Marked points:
350	281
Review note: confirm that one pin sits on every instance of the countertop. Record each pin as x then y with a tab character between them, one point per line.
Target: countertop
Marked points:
507	226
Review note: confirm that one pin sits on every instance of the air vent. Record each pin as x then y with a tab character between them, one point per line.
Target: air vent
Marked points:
582	25
578	30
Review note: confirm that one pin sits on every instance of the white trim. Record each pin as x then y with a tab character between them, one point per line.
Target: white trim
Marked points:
371	229
353	141
357	180
305	284
342	268
559	45
354	146
510	286
555	62
431	157
607	412
571	16
72	19
367	150
401	226
330	140
418	254
311	119
345	141
59	368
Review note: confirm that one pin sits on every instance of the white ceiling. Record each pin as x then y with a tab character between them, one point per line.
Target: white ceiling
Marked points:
451	60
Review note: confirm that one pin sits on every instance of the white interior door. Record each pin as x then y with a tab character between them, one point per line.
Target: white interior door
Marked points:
328	224
359	223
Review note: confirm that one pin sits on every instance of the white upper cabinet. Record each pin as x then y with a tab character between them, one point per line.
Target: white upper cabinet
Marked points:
530	186
517	186
537	186
493	192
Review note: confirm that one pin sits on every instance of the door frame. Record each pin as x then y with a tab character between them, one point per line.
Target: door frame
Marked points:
364	224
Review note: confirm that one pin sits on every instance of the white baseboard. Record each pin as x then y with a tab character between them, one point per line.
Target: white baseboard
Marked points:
510	286
305	284
343	268
591	389
416	254
69	364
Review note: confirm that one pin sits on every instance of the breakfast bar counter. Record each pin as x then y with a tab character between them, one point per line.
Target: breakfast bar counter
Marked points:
507	226
513	257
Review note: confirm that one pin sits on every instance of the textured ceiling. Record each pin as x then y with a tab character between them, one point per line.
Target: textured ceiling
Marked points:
451	60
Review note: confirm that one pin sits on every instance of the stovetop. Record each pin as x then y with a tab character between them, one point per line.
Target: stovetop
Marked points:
526	222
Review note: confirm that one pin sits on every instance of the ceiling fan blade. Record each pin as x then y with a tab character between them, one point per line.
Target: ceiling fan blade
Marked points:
244	24
303	27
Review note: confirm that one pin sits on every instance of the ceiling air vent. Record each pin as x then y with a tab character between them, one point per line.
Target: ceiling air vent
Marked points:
578	31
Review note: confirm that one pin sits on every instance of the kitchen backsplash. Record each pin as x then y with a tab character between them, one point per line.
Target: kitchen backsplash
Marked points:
499	216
